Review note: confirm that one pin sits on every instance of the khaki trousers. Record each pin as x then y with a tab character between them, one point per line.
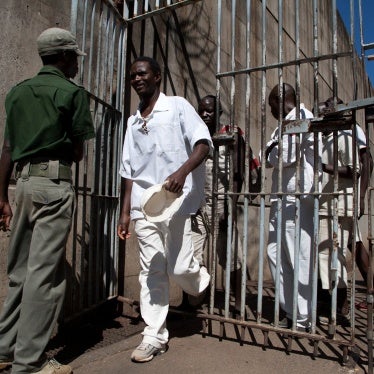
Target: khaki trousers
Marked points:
40	228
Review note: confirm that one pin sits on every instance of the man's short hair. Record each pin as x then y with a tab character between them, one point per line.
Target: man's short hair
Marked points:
154	65
214	99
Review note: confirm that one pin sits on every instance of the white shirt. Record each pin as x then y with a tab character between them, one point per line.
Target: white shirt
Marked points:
289	159
360	137
345	185
173	127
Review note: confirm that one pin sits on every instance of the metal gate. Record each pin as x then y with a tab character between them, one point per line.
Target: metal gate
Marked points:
254	45
318	66
93	251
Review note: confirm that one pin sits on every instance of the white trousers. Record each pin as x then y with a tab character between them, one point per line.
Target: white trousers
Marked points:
345	227
166	250
287	262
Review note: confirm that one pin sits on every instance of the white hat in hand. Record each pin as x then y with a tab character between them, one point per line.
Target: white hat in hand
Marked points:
160	205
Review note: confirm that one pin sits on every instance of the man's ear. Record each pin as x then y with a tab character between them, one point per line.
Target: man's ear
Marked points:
158	78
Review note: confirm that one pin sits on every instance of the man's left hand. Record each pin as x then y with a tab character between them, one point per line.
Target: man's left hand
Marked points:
5	215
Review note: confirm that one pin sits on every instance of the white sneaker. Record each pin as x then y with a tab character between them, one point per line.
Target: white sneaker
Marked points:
54	367
144	352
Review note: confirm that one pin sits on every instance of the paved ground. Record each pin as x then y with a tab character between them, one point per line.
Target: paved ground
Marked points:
190	352
104	344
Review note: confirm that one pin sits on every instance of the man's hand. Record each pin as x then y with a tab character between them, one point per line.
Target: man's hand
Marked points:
175	182
123	227
5	215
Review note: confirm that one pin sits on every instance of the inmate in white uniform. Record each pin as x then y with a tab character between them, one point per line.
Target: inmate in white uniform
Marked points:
288	212
166	248
327	260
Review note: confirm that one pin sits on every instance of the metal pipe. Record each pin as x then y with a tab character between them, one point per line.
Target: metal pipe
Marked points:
263	166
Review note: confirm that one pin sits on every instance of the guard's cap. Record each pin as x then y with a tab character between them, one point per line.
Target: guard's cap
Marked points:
55	40
160	205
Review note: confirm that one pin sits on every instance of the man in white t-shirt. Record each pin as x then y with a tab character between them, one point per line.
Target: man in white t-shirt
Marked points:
287	211
166	142
345	169
366	163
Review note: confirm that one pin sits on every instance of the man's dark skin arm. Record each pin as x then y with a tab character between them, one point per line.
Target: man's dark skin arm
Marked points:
269	149
6	168
343	171
177	179
124	219
78	150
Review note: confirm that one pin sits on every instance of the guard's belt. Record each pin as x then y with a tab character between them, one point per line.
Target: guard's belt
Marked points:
52	169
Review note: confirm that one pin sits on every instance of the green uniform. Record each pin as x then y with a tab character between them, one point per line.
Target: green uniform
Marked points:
45	116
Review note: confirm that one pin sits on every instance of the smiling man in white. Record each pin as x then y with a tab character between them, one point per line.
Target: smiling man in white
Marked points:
166	143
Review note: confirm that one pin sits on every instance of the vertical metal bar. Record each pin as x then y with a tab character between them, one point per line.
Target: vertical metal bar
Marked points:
126	10
73	23
280	165
335	241
332	326
317	167
92	46
111	164
107	117
352	49
213	217
229	198
92	237
263	166
91	270
136	8
85	171
297	175
354	230
247	150
369	296
121	75
83	45
74	16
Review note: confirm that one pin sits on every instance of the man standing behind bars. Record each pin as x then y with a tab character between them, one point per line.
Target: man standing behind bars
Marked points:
288	209
166	142
48	120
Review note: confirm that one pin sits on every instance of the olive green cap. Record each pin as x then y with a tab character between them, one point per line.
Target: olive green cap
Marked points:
55	40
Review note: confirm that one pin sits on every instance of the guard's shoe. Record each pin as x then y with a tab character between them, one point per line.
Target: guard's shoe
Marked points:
5	363
54	367
144	352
